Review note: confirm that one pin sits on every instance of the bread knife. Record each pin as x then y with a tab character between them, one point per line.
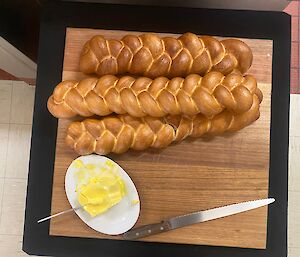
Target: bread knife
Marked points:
193	218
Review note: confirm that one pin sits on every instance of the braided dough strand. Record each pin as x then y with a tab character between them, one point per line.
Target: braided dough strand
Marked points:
152	56
142	97
120	133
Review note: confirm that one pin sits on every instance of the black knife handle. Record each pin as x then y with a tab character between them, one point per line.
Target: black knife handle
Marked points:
147	230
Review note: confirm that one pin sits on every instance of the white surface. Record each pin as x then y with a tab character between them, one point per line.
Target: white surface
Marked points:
119	218
4	128
294	179
18	143
295	116
15	62
21	106
294	164
13	204
10	244
5	100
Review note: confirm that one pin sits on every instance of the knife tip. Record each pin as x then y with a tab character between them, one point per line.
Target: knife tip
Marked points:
272	200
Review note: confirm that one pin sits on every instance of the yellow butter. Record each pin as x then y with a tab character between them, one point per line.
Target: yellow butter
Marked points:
134	202
98	188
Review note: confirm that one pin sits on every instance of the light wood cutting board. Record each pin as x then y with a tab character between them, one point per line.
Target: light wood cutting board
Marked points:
190	176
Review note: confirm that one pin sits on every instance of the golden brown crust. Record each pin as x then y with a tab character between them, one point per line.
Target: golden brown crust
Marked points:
152	56
120	133
142	97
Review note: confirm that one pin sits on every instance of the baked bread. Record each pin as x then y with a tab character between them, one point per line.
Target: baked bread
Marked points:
142	97
152	56
119	133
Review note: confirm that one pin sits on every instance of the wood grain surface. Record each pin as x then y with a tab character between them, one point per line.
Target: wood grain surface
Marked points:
190	176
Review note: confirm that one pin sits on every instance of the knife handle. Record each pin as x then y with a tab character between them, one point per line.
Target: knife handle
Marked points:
147	230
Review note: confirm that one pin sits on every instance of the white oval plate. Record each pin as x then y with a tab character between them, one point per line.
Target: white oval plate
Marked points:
116	220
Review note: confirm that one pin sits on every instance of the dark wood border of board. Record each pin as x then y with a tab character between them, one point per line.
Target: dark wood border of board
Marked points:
249	24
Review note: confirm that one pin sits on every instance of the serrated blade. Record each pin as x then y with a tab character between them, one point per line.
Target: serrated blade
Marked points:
193	218
216	213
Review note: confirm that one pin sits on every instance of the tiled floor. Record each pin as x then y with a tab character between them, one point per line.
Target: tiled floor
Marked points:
294	178
16	104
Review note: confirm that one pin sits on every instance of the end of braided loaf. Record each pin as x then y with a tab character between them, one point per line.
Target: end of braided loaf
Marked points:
56	102
238	55
89	59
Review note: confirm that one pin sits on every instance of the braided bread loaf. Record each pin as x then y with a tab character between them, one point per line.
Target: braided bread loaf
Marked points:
142	97
119	133
151	56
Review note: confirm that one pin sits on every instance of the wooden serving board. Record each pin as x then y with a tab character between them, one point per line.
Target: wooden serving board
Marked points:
190	176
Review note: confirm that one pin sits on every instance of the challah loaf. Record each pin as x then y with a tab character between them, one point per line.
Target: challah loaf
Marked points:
119	133
142	97
152	56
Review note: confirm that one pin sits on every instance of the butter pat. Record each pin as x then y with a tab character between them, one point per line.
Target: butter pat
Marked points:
100	190
134	202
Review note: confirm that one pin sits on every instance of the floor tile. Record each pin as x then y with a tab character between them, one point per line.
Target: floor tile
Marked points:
294	252
294	164
3	147
293	220
5	100
13	206
22	103
18	151
11	246
295	115
294	202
